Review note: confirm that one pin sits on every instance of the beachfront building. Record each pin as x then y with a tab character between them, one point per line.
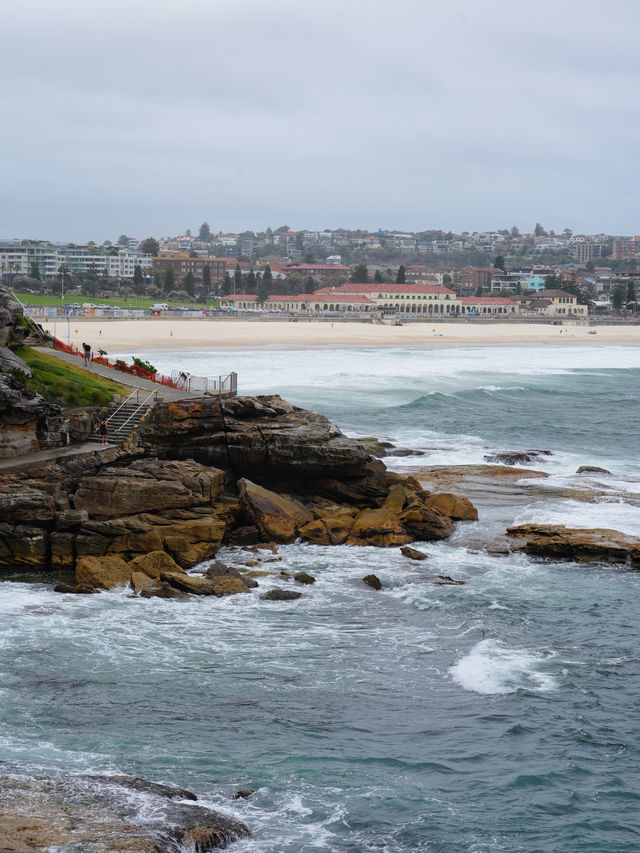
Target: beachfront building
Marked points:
302	303
407	299
319	270
183	263
553	303
485	306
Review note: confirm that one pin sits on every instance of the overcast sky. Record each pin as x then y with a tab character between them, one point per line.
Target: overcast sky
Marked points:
149	117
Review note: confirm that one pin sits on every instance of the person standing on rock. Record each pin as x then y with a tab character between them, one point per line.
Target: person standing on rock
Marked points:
102	429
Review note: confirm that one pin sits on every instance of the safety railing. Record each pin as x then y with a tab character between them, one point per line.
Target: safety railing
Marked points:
222	385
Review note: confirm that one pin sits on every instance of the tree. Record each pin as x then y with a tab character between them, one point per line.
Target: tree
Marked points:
204	233
35	271
515	231
378	277
479	290
499	263
446	279
92	272
206	278
237	280
631	292
309	285
157	279
188	232
227	284
309	258
138	280
123	240
401	275
539	231
264	285
618	296
189	283
150	246
169	279
250	286
360	275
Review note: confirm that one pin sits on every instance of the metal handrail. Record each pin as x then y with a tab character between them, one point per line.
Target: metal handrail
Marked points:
133	414
35	327
124	403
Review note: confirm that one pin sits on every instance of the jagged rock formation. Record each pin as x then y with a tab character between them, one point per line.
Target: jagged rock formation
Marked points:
27	422
281	473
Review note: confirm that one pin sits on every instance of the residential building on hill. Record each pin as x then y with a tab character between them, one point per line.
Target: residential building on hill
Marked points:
183	263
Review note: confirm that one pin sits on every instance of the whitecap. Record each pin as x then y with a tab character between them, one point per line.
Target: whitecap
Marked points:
491	668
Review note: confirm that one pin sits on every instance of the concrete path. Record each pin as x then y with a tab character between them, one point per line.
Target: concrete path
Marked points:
164	391
41	457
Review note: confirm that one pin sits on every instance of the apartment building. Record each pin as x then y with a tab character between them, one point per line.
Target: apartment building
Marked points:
182	263
19	259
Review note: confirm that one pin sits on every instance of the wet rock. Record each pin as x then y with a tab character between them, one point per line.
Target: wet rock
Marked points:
231	586
243	793
303	577
517	457
445	580
405	451
189	583
373	581
280	595
110	814
275	516
219	570
103	572
380	527
582	545
426	524
591	469
162	589
247	535
75	588
264	546
141	581
413	553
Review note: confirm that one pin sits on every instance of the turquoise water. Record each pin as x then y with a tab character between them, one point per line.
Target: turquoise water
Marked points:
500	715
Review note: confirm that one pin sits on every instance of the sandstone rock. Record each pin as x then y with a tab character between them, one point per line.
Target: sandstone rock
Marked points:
71	519
582	545
230	586
153	563
148	485
163	589
380	527
62	551
219	570
141	581
445	580
591	469
452	506
103	572
23	548
22	504
304	577
189	583
280	595
413	553
373	581
425	524
315	533
276	517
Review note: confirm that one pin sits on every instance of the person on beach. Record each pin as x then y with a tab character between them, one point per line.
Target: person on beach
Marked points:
102	429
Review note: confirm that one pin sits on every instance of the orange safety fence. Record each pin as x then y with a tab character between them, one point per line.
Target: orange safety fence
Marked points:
117	364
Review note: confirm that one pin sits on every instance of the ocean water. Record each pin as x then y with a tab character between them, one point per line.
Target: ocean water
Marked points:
498	715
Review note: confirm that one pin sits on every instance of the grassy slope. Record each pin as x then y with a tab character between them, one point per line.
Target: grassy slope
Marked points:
132	302
65	383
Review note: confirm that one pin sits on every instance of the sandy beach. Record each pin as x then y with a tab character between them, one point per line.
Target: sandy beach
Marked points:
196	335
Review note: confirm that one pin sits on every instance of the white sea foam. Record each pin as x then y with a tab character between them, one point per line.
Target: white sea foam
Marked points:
493	668
613	515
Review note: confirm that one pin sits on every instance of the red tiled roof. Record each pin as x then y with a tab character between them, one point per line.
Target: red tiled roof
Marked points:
374	287
302	297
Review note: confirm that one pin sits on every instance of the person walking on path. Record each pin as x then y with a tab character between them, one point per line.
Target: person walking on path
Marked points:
87	353
102	429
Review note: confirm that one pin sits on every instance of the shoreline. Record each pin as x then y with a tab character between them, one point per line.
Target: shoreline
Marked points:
188	335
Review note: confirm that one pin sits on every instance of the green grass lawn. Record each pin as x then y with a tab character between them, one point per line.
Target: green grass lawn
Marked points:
132	302
67	384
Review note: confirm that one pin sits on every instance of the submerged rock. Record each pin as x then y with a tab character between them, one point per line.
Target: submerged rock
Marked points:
591	469
413	553
303	577
280	595
517	457
373	581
